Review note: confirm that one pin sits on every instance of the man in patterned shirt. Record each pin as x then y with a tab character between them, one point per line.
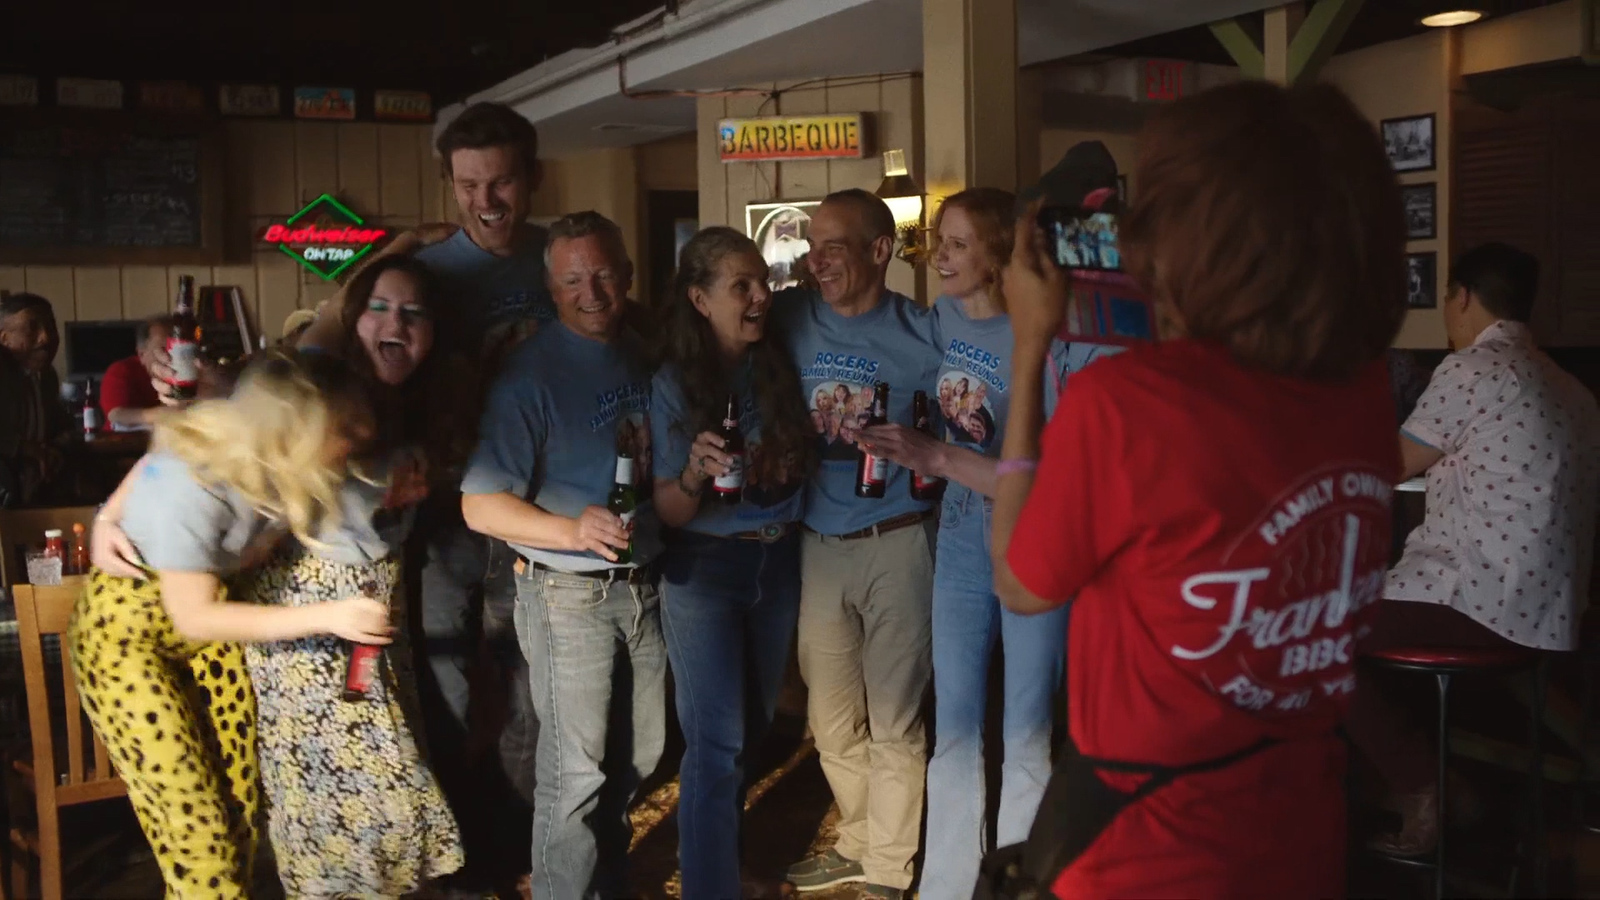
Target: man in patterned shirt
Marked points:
1511	447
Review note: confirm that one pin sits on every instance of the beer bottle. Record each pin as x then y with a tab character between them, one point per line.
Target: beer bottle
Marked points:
90	413
923	487
80	550
872	472
729	487
183	347
363	666
624	503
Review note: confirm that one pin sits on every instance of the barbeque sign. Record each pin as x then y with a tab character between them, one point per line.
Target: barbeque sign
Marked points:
325	237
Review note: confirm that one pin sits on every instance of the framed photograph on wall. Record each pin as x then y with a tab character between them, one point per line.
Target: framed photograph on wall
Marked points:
1409	143
1422	288
780	230
1421	204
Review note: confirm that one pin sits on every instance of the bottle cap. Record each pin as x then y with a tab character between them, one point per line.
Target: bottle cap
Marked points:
77	528
52	533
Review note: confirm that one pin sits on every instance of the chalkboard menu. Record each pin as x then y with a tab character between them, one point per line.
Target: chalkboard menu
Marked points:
106	192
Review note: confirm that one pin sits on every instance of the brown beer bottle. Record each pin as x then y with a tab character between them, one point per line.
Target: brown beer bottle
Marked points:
729	487
362	669
183	347
872	472
923	487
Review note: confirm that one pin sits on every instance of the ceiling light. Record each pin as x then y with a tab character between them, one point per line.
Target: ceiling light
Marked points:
1452	18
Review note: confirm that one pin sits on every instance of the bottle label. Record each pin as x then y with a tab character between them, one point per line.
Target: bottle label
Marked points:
185	356
624	470
923	482
733	480
876	471
627	518
91	419
363	668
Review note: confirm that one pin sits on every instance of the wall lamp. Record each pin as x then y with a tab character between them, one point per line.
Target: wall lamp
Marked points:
905	199
1451	16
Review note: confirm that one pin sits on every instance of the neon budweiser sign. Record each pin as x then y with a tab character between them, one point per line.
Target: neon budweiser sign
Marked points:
325	237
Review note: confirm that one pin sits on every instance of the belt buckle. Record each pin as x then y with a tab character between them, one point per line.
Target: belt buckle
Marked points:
769	533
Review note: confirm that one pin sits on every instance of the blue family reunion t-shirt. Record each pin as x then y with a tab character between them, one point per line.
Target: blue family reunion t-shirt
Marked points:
839	359
557	417
494	301
673	435
971	397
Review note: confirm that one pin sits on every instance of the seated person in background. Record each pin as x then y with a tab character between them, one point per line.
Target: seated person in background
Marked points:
127	397
1511	447
34	425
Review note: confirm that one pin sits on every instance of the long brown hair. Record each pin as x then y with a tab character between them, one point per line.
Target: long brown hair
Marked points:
688	342
436	407
1271	221
993	215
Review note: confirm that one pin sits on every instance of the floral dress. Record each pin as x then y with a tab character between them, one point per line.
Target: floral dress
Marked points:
353	809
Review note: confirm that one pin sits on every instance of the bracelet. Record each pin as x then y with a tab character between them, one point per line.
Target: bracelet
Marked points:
1013	466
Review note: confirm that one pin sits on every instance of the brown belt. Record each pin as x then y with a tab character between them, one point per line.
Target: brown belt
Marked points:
893	523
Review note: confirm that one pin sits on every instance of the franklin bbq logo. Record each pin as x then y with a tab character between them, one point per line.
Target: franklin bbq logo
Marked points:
1290	624
325	237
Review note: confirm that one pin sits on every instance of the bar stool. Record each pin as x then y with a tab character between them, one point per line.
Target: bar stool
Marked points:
1444	663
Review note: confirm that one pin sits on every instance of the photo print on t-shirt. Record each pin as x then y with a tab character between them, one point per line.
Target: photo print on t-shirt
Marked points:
838	413
966	413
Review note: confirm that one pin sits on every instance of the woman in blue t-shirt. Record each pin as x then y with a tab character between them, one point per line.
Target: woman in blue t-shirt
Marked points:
971	393
731	570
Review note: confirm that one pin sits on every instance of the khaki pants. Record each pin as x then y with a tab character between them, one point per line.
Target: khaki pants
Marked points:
865	654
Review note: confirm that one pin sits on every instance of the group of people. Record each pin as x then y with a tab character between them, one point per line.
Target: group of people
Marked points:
1211	510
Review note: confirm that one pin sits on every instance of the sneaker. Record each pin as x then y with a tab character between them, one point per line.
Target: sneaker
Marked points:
879	892
824	870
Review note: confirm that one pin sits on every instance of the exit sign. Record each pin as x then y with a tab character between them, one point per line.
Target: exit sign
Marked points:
1164	79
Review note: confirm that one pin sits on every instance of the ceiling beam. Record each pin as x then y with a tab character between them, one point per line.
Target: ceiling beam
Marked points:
1325	26
1241	46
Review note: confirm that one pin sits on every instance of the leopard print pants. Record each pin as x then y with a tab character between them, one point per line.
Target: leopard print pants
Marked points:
178	718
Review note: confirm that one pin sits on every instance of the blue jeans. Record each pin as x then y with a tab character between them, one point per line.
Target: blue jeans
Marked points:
729	611
967	617
597	668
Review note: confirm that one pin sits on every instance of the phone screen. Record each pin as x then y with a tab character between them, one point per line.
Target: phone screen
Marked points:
1081	239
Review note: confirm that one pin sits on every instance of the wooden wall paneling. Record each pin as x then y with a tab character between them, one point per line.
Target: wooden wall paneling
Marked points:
145	291
358	168
900	121
277	290
316	160
849	95
1502	187
1576	228
711	171
98	292
13	279
803	179
399	172
272	170
749	182
54	283
314	290
239	228
432	191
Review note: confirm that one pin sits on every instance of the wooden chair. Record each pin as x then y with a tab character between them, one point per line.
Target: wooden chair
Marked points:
21	528
56	779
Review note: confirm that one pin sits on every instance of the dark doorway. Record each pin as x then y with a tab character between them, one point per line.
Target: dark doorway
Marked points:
671	217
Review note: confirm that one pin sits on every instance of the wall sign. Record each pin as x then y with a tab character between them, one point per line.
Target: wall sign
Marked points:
324	103
325	237
89	93
410	106
171	96
19	90
249	100
1164	79
841	136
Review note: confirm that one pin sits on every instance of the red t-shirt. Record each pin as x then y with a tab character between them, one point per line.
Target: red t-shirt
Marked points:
1224	532
126	383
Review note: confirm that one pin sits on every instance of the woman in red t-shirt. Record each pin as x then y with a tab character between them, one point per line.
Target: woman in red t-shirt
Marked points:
1218	504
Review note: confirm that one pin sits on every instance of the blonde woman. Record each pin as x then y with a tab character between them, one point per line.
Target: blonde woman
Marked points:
158	656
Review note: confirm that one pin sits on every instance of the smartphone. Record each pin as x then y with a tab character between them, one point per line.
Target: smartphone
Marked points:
1081	238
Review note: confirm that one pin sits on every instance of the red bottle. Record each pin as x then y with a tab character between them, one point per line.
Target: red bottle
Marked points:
362	669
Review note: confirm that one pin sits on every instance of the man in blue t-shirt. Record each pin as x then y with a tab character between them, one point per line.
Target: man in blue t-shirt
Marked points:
491	271
866	564
567	420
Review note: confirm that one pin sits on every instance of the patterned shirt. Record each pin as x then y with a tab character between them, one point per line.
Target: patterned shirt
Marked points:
1511	505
